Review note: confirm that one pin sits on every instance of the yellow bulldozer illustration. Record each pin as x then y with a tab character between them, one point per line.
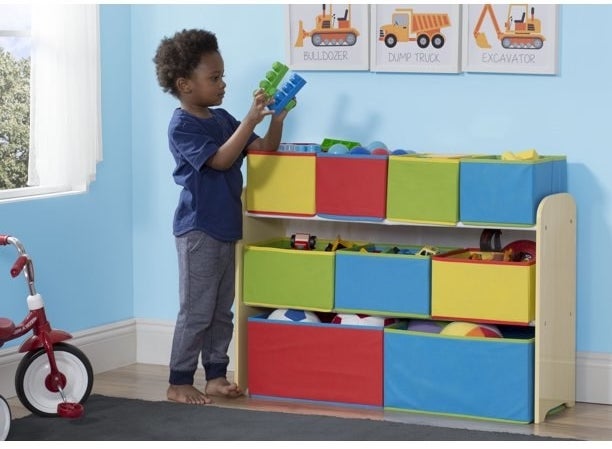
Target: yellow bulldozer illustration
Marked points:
329	30
521	31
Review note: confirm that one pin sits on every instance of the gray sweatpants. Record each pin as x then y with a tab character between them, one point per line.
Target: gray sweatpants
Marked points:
204	325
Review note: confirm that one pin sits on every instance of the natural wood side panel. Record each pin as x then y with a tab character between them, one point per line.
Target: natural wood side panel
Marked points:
555	349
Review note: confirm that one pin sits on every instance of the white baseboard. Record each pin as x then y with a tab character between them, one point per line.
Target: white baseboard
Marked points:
146	341
594	378
155	342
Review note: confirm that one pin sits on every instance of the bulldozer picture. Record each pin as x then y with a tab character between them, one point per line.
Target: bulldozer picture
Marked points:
522	30
330	29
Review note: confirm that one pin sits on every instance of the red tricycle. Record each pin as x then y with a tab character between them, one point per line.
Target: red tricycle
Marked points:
5	418
54	378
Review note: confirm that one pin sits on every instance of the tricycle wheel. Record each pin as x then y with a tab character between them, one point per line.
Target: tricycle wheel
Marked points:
32	384
5	418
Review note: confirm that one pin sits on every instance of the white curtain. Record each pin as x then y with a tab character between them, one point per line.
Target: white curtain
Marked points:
65	139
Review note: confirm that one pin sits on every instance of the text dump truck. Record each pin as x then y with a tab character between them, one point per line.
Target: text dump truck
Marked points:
407	26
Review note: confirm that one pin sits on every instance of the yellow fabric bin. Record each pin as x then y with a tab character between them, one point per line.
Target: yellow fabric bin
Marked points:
482	290
281	183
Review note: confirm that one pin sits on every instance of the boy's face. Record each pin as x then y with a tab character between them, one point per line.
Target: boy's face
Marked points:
205	85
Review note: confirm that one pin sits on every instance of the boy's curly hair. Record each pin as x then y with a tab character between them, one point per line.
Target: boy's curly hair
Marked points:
178	56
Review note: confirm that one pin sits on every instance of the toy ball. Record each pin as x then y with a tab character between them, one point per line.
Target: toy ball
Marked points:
376	144
521	250
400	151
359	150
465	329
362	320
432	327
380	151
304	316
338	148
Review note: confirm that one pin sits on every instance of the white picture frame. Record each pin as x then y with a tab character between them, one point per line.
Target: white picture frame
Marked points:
415	38
510	38
327	37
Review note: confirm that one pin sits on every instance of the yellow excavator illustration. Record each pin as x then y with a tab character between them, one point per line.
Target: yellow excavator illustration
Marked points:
329	30
521	30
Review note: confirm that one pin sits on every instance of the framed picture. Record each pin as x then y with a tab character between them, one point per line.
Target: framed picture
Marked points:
328	37
510	38
415	38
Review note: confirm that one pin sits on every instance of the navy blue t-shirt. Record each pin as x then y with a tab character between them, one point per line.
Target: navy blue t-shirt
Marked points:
210	199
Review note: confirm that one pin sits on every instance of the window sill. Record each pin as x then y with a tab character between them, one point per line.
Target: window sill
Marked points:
31	193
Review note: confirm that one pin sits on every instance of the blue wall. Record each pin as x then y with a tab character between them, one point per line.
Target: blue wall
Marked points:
109	254
81	245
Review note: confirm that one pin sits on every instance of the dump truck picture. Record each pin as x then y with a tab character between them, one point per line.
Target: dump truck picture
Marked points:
330	29
408	26
521	29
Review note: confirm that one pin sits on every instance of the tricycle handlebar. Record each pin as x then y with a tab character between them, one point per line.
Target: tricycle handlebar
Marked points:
23	261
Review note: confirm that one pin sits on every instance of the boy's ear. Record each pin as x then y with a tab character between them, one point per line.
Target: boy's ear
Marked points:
183	85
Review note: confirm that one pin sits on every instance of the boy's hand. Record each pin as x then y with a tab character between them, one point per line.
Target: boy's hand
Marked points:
259	108
282	114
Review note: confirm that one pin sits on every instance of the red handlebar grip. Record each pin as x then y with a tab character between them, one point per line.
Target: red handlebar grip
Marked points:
18	265
4	239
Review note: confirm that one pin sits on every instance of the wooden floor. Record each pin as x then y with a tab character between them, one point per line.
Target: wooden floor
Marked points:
584	421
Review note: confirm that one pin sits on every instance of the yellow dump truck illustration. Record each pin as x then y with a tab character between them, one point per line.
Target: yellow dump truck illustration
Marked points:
407	26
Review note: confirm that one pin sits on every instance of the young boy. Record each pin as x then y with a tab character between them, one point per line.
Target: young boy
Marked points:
208	146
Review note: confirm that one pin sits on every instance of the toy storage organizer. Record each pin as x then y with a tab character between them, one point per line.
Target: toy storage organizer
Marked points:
535	367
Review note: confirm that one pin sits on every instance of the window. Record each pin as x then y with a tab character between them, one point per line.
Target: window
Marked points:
64	102
14	95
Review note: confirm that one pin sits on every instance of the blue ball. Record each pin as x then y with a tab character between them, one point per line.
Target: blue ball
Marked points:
359	150
401	151
376	144
338	148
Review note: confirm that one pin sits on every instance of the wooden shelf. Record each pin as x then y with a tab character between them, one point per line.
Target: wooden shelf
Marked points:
555	323
386	222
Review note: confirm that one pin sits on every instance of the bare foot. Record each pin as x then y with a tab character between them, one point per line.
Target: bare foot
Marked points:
187	394
221	387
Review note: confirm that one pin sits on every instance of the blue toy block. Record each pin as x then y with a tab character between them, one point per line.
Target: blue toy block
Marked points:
284	98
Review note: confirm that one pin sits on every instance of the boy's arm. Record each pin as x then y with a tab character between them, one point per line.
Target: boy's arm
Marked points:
231	149
272	139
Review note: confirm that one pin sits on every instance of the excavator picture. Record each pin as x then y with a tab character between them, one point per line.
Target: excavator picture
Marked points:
521	30
329	30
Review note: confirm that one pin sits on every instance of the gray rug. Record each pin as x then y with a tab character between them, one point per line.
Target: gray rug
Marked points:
116	419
